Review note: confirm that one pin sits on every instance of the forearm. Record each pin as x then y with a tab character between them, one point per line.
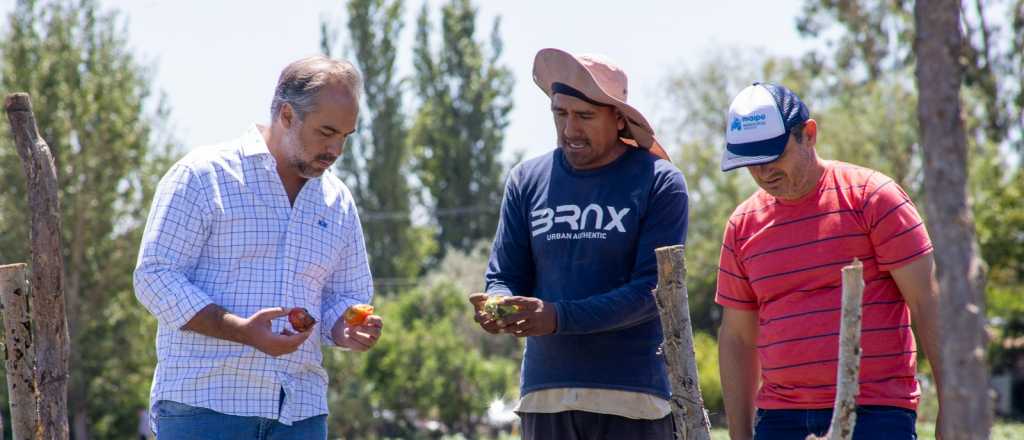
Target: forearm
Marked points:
624	307
920	289
925	319
739	384
216	322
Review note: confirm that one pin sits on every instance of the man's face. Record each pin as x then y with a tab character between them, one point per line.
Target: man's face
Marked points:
588	134
793	174
315	141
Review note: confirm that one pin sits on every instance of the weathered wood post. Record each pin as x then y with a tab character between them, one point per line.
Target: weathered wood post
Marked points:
49	319
844	414
21	387
674	309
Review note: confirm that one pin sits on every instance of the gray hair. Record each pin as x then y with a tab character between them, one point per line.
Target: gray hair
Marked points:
302	80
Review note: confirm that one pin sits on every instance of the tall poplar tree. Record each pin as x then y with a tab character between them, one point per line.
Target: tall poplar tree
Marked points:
90	95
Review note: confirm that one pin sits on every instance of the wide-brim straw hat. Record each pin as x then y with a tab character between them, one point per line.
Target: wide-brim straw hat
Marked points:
601	81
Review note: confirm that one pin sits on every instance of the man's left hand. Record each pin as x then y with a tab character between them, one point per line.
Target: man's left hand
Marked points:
360	337
534	318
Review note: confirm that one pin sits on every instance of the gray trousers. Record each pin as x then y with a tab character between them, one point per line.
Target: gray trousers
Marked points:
582	425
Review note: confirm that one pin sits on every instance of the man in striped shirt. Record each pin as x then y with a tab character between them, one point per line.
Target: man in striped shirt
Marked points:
779	281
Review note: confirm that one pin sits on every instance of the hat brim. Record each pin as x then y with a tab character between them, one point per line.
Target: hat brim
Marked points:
754	153
555	65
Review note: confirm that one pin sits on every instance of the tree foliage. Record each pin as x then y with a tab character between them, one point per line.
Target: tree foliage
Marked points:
697	96
430	365
376	163
90	96
872	39
459	129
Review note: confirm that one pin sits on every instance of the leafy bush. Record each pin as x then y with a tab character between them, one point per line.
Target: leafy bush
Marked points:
706	348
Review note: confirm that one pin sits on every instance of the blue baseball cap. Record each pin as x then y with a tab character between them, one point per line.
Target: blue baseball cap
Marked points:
760	119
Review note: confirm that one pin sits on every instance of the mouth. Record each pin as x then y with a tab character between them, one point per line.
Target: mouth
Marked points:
576	145
324	163
772	181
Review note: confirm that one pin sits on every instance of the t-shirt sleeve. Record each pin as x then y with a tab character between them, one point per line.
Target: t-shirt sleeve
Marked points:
510	267
894	226
733	285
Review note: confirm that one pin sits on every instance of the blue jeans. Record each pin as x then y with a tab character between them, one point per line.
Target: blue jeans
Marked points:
873	423
177	421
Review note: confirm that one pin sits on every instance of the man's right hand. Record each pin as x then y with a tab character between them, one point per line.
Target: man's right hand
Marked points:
259	335
485	321
255	331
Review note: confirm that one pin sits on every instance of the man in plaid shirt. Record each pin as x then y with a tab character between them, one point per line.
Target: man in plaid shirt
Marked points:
238	235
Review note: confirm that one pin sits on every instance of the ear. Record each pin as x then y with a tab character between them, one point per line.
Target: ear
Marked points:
620	120
811	132
287	115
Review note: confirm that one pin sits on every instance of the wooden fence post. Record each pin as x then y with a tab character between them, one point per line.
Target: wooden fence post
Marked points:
674	309
49	319
21	387
844	414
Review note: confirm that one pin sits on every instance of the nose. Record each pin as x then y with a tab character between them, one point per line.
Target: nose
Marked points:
572	128
336	147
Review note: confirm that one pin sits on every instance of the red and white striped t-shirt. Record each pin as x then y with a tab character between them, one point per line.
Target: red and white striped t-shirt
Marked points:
784	259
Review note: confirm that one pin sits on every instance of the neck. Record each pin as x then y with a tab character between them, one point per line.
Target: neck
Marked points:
274	137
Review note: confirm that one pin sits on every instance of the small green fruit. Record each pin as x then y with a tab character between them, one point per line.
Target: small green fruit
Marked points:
496	308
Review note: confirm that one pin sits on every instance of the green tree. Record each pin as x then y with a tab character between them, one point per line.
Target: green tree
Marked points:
376	163
433	362
873	39
426	368
698	97
459	129
90	96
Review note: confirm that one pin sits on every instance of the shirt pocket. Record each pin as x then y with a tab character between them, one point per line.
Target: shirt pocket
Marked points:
245	228
316	256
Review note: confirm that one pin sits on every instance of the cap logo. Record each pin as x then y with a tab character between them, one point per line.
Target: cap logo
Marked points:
752	121
736	125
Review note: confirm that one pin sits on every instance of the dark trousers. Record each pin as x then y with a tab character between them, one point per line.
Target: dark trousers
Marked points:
873	423
582	425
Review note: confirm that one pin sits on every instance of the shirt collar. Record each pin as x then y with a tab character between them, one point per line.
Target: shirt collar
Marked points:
253	143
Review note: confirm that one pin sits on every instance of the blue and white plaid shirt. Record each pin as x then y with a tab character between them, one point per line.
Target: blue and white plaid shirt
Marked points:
221	230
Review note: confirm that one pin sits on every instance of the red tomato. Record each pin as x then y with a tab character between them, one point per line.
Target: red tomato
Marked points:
357	314
300	319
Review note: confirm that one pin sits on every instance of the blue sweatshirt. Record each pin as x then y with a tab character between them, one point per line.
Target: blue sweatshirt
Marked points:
585	240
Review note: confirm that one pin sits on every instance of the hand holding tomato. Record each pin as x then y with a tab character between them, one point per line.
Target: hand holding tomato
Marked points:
358	329
300	319
356	315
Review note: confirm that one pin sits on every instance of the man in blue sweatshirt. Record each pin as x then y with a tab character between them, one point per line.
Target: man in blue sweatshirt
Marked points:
574	252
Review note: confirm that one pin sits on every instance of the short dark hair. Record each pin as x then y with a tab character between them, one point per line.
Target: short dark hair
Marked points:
300	82
798	132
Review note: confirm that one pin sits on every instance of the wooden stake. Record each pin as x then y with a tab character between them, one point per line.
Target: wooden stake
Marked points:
21	387
49	319
844	414
674	309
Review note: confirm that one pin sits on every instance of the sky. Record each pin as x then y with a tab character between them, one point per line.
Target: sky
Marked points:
218	61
